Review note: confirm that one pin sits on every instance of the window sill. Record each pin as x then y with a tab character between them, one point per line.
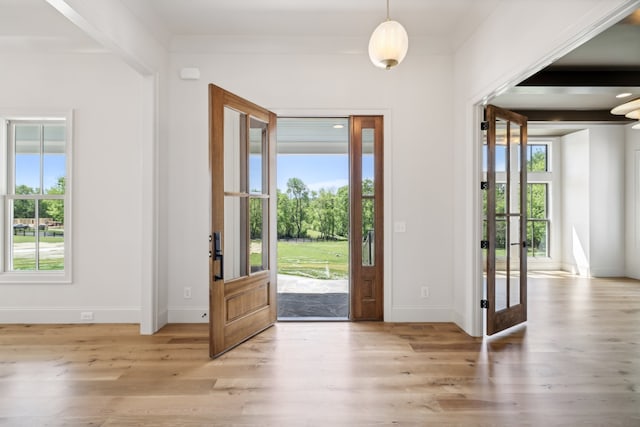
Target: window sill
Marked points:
26	278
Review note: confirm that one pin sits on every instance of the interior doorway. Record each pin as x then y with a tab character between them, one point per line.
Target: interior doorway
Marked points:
313	218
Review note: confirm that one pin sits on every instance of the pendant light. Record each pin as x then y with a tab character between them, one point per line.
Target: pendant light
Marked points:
388	44
630	110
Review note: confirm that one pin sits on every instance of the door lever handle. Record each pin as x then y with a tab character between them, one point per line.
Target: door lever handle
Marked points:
218	256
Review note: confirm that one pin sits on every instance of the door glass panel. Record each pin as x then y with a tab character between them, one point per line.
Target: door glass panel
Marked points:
514	262
368	172
235	237
234	151
258	247
257	157
368	232
24	235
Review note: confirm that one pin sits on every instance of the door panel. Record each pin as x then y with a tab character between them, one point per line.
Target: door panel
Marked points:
366	218
506	200
242	290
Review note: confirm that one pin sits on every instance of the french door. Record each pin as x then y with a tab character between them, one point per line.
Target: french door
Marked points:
242	273
505	208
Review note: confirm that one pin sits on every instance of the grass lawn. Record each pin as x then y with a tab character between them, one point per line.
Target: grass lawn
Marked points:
320	260
27	262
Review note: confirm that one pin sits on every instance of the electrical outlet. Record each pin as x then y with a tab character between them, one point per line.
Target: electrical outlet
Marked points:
424	292
187	293
86	315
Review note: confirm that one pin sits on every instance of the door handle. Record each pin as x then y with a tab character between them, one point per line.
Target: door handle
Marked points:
218	256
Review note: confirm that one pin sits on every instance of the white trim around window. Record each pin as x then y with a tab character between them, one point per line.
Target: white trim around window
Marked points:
8	276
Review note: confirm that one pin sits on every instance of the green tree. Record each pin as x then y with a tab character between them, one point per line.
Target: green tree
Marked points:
324	211
24	208
54	209
341	206
285	225
298	193
255	218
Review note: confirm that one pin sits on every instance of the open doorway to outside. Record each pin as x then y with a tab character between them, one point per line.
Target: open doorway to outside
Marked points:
313	218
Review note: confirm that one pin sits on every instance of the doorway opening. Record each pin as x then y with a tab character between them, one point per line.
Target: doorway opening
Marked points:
313	218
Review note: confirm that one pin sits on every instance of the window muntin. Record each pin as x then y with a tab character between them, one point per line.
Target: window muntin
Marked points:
35	232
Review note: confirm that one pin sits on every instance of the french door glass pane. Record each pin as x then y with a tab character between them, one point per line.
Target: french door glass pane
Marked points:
234	151
235	237
258	248
258	165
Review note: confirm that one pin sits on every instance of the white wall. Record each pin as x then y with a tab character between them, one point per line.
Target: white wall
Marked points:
417	98
593	169
576	220
500	53
607	202
632	246
104	94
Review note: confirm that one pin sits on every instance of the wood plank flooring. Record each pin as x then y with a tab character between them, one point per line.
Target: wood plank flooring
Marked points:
575	362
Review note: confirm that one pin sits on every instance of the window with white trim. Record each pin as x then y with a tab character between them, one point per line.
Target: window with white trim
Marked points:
35	211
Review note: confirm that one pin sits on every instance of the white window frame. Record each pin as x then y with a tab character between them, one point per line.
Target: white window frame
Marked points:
552	178
6	229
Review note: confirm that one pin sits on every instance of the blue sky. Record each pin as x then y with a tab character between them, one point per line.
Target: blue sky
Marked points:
28	170
317	171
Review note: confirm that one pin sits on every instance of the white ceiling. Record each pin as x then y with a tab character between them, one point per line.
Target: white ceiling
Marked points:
28	26
452	19
35	26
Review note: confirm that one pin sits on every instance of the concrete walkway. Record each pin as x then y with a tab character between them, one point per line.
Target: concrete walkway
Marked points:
296	284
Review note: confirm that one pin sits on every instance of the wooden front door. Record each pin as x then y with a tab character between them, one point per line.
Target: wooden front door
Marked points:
242	274
506	221
366	156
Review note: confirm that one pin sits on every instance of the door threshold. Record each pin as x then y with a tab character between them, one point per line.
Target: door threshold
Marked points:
313	319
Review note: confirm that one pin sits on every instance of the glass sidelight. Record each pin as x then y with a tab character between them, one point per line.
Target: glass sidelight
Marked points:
366	200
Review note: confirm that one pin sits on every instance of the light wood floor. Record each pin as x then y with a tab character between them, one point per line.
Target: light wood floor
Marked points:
576	362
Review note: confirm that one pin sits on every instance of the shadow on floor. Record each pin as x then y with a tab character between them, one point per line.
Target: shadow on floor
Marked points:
291	305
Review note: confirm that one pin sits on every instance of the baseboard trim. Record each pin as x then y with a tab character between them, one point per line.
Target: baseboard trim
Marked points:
44	315
188	315
419	314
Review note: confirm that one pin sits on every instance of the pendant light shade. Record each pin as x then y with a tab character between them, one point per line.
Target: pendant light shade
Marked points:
630	110
388	44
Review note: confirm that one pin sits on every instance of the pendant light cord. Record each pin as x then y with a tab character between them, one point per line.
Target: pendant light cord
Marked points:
388	10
